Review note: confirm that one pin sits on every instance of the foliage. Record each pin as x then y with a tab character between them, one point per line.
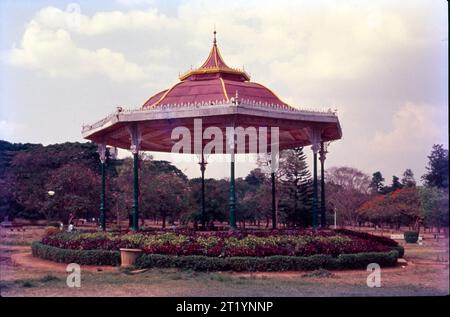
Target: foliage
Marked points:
82	257
408	178
225	244
204	263
437	168
434	206
347	189
376	184
411	236
401	205
270	263
296	188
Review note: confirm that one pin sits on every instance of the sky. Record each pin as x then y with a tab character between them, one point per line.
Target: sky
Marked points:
382	64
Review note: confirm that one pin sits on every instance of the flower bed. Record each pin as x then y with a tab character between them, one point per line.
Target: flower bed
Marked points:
205	263
227	244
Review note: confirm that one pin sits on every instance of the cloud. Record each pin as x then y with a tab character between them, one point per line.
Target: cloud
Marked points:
321	42
54	52
104	21
135	2
413	130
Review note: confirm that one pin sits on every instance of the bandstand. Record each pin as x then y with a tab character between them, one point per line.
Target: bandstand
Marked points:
210	100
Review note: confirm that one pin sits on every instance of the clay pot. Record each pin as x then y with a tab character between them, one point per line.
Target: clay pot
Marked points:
128	256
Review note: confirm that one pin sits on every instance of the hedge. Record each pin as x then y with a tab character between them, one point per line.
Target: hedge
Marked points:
86	257
270	263
205	263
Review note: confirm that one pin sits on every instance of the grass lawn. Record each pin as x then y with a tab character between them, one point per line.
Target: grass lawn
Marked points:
23	275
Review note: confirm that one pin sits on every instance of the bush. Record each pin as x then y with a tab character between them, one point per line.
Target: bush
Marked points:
205	263
411	236
87	257
271	263
400	250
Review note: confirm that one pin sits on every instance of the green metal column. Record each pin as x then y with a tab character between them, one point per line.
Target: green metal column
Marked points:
232	202
274	211
323	217
202	169
315	191
102	198
135	209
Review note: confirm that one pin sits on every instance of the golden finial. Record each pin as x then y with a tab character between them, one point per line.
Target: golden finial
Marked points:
214	42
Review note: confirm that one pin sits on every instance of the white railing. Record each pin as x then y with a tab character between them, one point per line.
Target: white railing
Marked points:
246	103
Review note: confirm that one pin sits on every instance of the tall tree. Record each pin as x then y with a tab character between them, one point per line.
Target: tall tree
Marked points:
394	185
408	179
376	184
296	203
437	168
348	188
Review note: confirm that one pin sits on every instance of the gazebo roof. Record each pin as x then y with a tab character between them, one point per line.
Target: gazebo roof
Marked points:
222	97
211	82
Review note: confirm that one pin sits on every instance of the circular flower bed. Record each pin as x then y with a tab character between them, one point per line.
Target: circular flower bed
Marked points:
227	244
280	250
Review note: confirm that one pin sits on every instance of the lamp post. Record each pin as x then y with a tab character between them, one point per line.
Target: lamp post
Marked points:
203	212
51	193
102	155
323	152
335	226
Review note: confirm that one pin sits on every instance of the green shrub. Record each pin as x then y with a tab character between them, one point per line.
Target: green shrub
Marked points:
270	263
411	236
400	250
206	263
87	257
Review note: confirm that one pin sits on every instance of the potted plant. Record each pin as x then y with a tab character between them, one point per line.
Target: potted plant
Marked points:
128	256
411	236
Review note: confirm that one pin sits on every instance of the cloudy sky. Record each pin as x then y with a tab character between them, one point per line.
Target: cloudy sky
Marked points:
382	64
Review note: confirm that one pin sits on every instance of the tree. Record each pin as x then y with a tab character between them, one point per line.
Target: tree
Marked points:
167	196
437	168
30	166
77	192
216	200
347	189
408	179
296	189
376	184
256	177
392	208
394	186
435	207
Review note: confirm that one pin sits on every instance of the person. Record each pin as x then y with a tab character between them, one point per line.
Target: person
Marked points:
71	227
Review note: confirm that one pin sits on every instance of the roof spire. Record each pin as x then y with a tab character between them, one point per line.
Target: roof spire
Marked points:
215	41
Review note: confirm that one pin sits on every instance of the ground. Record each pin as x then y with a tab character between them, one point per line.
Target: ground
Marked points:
426	273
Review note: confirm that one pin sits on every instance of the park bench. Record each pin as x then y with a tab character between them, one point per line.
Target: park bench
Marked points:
401	236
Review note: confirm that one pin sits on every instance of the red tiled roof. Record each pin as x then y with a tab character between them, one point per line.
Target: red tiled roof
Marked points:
211	82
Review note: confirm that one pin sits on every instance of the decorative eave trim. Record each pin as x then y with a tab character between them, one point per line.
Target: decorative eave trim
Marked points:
222	107
213	70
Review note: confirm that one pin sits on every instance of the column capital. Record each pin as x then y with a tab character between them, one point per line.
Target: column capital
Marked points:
315	138
102	152
136	138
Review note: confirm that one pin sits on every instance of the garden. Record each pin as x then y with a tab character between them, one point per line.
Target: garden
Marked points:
244	250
